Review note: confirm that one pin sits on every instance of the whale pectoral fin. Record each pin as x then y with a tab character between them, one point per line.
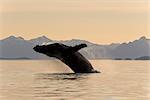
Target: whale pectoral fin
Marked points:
77	47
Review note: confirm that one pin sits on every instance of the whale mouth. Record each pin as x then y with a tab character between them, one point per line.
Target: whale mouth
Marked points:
39	49
45	50
36	48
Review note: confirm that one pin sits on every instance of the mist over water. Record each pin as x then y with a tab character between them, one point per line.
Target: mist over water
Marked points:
53	80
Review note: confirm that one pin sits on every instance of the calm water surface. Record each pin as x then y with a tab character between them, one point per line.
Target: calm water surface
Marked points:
52	80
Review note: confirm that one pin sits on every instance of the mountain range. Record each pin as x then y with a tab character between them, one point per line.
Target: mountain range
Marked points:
18	48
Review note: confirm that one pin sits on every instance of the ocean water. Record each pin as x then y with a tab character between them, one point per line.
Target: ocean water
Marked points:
53	80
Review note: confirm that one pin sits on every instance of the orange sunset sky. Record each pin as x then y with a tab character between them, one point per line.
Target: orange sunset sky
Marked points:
99	21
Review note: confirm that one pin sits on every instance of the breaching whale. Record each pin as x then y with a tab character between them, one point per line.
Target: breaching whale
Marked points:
68	55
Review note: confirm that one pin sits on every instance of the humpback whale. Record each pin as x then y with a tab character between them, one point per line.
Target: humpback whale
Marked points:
68	55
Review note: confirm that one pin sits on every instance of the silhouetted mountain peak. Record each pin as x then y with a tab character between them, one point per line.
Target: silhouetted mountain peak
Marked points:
43	37
12	38
143	38
20	38
73	42
40	40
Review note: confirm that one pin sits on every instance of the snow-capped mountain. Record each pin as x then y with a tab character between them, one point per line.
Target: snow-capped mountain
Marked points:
18	47
137	48
40	40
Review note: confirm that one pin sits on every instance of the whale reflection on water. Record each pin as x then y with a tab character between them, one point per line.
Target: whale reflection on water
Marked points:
61	76
66	83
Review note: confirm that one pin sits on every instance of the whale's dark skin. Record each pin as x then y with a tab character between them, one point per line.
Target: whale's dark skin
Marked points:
68	55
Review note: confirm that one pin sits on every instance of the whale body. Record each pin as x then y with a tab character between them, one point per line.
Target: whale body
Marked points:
68	55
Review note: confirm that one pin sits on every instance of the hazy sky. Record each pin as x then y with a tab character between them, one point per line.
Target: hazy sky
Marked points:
99	21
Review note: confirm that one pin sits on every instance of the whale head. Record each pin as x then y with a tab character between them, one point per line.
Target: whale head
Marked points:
52	50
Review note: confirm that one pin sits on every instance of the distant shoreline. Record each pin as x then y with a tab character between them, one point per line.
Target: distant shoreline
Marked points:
136	59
